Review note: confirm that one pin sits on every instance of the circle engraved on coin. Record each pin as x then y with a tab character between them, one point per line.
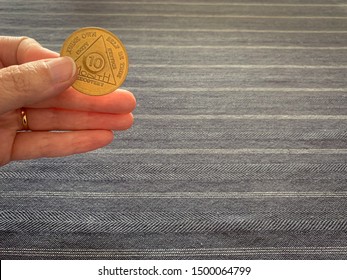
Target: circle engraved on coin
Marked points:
101	60
94	62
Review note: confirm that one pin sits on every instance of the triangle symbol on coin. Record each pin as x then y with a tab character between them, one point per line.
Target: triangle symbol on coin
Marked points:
94	63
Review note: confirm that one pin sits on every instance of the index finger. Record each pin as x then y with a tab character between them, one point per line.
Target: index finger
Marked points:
19	50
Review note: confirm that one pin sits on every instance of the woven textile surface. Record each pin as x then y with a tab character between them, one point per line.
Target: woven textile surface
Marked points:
238	150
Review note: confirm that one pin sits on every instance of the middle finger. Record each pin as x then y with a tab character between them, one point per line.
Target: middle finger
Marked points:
119	102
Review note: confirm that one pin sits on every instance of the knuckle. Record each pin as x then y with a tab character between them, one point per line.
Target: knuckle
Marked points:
44	146
15	79
24	47
20	78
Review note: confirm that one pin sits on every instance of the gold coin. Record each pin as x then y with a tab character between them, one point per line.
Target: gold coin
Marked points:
101	60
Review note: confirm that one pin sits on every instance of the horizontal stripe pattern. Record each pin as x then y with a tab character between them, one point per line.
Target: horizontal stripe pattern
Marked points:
187	30
176	253
184	226
186	172
225	47
221	151
242	89
241	66
162	15
172	195
243	117
170	3
37	221
65	20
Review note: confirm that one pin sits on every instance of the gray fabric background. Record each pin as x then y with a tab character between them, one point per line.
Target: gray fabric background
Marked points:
238	148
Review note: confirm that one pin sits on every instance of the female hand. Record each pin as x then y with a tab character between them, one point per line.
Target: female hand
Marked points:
37	82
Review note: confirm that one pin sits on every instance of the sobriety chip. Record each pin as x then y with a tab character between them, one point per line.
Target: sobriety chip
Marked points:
101	60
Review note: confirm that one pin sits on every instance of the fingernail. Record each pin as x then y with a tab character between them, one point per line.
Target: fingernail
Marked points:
61	69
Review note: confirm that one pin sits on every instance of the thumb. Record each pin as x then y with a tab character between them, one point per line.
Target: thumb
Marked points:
29	83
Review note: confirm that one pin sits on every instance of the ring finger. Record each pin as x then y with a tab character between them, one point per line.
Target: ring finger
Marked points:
58	119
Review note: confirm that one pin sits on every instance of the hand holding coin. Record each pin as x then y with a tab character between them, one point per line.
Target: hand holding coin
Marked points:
37	100
101	59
